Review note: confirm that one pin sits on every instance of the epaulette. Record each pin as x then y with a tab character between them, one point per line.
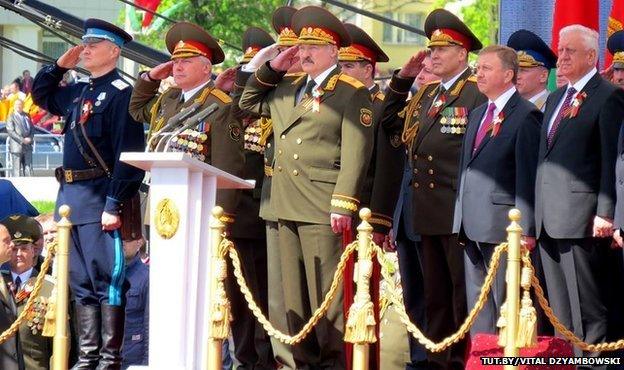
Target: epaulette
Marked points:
433	82
472	78
351	81
295	74
120	84
379	95
225	98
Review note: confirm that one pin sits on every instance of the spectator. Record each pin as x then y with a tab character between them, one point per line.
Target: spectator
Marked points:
27	82
21	278
13	202
137	306
21	133
10	351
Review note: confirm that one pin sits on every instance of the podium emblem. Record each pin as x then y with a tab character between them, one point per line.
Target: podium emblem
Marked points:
166	218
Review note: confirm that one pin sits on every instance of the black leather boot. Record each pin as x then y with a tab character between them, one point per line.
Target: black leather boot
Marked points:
88	321
113	318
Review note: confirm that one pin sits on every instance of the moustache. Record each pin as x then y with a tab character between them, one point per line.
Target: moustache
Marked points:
308	60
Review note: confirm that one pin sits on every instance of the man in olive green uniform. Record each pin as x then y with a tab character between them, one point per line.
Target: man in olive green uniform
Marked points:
282	17
193	53
435	120
251	343
322	150
20	280
359	61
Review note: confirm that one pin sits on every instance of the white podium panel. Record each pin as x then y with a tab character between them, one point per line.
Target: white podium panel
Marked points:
180	267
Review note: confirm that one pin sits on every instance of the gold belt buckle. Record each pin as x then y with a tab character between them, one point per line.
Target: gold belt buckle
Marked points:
69	177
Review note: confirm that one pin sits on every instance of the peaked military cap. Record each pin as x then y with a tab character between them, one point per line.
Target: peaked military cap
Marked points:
187	40
282	24
362	48
97	30
443	28
255	39
23	229
318	26
615	44
532	50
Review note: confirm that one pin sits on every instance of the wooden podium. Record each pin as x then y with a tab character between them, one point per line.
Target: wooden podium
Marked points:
180	266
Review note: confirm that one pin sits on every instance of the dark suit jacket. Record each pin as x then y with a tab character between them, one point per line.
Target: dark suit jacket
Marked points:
618	219
576	175
500	175
10	351
435	150
17	133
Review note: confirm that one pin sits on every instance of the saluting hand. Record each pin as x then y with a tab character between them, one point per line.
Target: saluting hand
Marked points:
110	222
71	57
340	223
263	56
286	59
225	80
413	66
161	71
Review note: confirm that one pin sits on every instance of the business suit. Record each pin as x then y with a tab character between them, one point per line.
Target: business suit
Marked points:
317	170
19	127
433	153
575	182
11	357
496	176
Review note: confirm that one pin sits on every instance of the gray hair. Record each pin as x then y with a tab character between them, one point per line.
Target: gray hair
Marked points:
589	36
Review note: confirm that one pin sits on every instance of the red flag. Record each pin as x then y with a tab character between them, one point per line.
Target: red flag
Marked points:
616	23
151	5
567	12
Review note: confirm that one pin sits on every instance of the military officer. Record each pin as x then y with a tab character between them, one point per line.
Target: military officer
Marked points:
281	21
36	348
435	122
535	60
193	53
323	147
11	357
359	60
252	347
615	44
95	184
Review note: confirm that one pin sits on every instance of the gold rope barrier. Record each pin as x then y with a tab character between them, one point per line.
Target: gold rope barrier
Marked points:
8	333
567	333
397	303
60	349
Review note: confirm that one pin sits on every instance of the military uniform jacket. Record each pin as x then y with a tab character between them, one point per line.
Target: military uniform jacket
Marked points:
248	223
110	128
36	349
576	174
10	351
225	139
500	174
618	218
434	149
322	153
385	178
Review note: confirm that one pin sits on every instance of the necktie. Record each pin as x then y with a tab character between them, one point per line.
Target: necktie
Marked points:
563	111
485	126
435	106
16	285
308	90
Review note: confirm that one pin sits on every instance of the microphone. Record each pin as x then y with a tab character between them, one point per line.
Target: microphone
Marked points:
193	121
173	121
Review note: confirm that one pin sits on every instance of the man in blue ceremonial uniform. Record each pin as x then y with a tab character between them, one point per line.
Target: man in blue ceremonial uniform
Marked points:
95	184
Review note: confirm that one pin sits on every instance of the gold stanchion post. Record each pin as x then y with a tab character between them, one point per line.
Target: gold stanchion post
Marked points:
514	234
360	328
61	340
214	355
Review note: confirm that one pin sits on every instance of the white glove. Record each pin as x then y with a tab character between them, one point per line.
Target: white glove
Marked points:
263	56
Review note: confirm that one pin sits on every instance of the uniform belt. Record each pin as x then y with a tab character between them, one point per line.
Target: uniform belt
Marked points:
268	171
69	176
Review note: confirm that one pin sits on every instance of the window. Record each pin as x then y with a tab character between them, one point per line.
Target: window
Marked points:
395	35
52	45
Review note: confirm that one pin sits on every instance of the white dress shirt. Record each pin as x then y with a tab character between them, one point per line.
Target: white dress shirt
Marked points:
579	85
500	103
